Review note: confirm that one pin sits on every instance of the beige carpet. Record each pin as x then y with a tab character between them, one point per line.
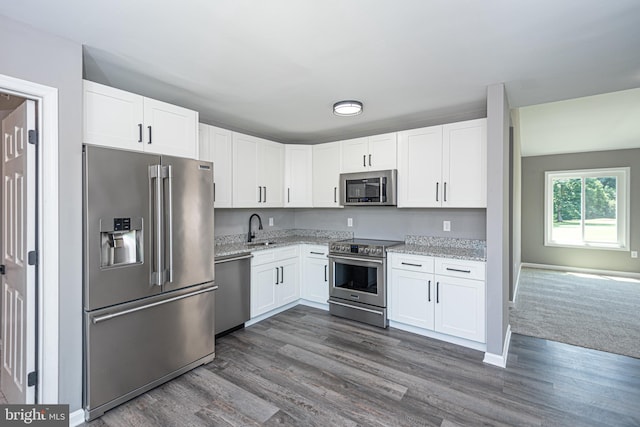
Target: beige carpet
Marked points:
598	312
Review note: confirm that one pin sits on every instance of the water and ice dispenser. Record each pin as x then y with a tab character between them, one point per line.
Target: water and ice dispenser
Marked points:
121	241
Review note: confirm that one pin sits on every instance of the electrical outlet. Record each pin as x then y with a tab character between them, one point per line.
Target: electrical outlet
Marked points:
634	254
270	222
349	222
446	225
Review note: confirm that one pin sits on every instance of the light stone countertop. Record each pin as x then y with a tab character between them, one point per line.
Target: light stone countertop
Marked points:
443	247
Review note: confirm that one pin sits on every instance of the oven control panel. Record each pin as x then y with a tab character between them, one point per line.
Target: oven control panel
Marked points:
366	250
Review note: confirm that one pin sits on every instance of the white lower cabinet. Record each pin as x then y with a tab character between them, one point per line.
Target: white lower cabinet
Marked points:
275	279
443	295
315	274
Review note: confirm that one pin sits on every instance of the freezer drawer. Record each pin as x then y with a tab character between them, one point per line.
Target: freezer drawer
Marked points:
133	347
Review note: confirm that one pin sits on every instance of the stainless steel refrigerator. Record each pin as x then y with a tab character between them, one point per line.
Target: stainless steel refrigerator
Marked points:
148	272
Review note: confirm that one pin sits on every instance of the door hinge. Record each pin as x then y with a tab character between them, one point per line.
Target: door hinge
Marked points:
2	270
33	257
33	137
32	378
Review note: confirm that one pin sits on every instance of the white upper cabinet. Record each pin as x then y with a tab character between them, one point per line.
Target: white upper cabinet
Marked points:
326	175
258	171
298	176
464	164
376	152
443	166
119	119
420	167
216	146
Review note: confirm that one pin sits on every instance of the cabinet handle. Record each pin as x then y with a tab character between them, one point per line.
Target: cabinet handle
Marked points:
277	275
214	191
369	159
364	160
281	274
412	265
437	190
316	253
265	194
429	291
139	132
445	191
288	195
259	194
325	273
437	292
335	194
149	127
459	271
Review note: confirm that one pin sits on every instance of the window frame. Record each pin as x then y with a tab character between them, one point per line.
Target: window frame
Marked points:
623	213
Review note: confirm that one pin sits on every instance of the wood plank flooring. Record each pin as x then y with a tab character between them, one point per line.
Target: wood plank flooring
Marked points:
304	367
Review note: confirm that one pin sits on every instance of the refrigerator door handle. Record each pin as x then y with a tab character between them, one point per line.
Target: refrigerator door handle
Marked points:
99	319
155	172
168	174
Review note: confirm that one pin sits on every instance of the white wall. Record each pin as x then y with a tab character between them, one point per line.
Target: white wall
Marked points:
32	55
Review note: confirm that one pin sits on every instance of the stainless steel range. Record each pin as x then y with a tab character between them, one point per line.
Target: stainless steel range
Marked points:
358	280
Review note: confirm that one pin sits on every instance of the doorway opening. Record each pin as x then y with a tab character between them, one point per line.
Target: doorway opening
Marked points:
38	252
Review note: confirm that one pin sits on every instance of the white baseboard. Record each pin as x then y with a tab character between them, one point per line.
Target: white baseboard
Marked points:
314	304
582	270
500	359
76	418
436	335
270	313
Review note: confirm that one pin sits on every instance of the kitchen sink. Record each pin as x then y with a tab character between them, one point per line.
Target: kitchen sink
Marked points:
266	243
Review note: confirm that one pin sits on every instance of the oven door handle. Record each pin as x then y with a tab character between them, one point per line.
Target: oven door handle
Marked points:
346	258
356	307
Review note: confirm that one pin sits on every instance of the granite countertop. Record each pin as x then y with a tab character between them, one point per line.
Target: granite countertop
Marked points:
467	249
236	244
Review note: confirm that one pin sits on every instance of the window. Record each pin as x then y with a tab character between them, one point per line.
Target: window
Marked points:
587	208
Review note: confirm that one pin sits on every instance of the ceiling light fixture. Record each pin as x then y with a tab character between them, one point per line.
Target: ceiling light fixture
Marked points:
347	108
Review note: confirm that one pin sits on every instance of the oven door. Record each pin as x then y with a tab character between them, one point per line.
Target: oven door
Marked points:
358	279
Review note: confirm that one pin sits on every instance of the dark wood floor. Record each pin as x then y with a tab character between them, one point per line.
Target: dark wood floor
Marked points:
304	367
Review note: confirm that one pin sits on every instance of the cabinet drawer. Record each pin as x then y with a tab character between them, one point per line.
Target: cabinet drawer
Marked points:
269	255
315	251
460	268
412	262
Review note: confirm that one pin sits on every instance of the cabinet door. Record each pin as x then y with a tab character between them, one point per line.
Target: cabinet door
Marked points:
297	180
263	288
315	280
271	173
246	193
289	286
355	154
420	167
170	129
221	142
383	152
326	175
465	164
460	307
112	117
411	298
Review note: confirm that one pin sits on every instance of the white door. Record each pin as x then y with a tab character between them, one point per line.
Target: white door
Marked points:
316	280
289	285
271	173
247	193
264	279
383	152
18	239
420	168
411	298
354	155
460	307
297	180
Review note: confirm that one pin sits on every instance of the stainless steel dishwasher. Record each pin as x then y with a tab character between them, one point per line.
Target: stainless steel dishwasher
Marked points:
233	297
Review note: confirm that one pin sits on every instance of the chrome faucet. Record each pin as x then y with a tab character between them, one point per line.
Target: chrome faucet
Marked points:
251	235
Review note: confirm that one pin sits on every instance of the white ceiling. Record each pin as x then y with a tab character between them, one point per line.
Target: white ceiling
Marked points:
274	68
601	122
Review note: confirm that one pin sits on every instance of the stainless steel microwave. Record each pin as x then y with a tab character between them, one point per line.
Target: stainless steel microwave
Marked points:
374	188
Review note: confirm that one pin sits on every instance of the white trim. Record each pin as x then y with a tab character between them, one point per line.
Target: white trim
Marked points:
76	418
313	304
47	98
438	336
582	270
515	287
270	313
500	360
